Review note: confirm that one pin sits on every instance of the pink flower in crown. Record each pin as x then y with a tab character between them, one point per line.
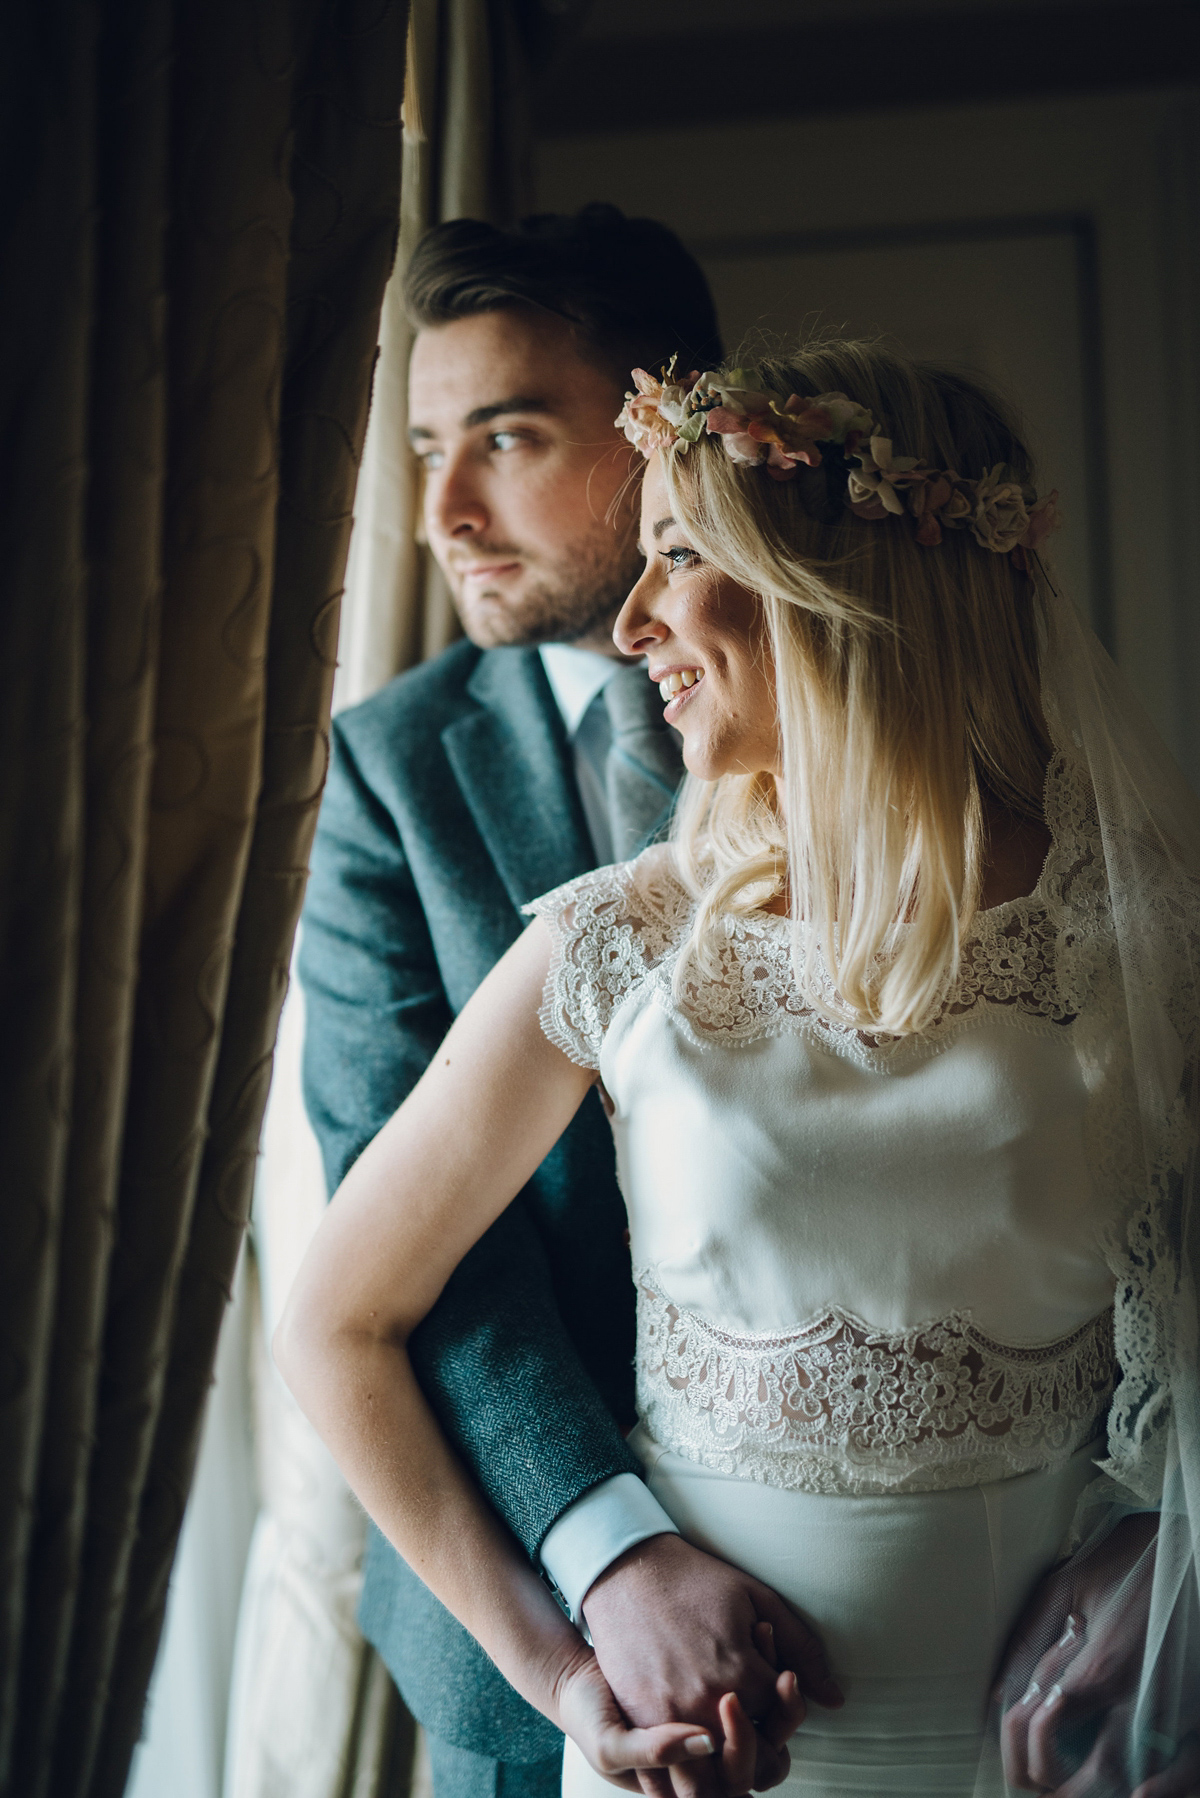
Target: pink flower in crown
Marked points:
925	502
850	424
791	433
660	413
640	417
878	486
739	445
945	499
727	407
800	426
1001	510
1045	517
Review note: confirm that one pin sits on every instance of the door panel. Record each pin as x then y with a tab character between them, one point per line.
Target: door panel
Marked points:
1008	309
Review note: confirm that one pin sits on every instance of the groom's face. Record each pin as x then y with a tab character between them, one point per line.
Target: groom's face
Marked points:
528	502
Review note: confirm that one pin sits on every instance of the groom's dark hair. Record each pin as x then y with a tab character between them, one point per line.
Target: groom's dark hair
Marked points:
630	291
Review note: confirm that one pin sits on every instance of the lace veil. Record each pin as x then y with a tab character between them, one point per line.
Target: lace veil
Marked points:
1149	829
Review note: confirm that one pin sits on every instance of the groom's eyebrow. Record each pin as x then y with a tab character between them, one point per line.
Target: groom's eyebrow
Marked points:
482	415
520	402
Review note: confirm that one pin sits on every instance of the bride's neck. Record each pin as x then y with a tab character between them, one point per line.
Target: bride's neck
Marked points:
1014	854
1015	851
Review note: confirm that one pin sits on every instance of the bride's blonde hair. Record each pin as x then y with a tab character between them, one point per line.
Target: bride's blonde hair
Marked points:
907	684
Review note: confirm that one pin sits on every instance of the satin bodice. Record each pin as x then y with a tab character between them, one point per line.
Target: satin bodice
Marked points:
862	1263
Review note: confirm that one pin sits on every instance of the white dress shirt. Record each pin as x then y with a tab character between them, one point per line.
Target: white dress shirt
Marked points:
575	676
619	1512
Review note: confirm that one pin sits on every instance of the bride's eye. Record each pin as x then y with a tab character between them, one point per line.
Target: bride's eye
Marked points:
676	559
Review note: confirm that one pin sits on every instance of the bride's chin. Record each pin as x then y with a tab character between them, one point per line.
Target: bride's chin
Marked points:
699	759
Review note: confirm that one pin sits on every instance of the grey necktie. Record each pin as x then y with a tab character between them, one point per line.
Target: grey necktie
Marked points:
644	765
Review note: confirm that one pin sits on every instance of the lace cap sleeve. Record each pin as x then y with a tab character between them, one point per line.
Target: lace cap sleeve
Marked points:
609	929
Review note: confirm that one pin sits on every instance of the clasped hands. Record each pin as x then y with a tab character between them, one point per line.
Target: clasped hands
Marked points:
700	1675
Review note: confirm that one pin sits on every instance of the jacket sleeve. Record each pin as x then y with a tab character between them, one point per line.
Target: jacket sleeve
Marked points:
375	1005
494	1356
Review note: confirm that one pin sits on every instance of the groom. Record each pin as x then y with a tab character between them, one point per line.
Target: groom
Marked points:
516	760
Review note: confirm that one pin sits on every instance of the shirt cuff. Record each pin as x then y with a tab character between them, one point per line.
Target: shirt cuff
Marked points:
595	1530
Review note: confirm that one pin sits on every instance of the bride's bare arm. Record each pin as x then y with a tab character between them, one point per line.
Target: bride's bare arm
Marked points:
485	1114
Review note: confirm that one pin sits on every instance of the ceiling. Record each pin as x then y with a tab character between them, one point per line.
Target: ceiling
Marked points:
635	64
690	18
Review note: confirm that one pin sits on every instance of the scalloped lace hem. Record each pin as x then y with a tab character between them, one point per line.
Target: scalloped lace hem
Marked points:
835	1406
1035	960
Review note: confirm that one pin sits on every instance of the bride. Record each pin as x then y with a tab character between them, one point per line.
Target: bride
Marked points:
899	1035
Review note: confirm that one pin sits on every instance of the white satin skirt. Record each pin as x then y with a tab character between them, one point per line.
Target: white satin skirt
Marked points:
914	1596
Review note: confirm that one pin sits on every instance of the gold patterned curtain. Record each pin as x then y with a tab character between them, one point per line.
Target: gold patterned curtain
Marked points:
312	1710
200	218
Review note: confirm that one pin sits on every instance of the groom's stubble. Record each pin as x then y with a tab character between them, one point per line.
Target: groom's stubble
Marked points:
559	505
576	597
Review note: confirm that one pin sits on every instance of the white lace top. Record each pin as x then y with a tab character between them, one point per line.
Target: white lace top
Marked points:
863	1265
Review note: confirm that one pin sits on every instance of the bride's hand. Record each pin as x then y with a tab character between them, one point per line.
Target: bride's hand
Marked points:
677	1630
1071	1676
638	1760
591	1716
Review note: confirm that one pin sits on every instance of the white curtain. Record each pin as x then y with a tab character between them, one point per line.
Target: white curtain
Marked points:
182	1751
312	1712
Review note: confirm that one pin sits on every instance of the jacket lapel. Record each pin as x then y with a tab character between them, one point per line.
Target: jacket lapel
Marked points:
512	762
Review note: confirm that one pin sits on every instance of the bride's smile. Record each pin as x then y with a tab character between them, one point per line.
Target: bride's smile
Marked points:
676	683
706	646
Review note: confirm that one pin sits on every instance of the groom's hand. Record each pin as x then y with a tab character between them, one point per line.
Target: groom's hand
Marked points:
676	1630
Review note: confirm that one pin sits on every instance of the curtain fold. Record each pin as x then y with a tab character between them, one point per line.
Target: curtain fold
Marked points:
203	223
121	536
299	1653
466	153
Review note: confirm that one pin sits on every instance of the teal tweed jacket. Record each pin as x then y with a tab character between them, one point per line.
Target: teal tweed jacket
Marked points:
451	802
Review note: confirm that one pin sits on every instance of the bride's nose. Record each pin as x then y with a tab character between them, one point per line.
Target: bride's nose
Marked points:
637	631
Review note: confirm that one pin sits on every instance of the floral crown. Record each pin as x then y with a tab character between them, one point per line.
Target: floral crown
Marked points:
1001	513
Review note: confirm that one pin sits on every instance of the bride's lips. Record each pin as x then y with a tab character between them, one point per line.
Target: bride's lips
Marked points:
685	679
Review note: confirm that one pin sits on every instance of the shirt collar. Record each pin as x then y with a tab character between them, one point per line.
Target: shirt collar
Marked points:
575	676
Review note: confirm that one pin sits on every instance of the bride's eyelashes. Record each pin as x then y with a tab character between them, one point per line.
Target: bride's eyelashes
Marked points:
679	558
